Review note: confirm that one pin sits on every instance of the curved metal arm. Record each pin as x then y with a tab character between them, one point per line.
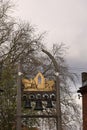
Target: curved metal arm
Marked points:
58	105
53	60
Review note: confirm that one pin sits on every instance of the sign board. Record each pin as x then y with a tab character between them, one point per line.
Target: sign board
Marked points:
39	83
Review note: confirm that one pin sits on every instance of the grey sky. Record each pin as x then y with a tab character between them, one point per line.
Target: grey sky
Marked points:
64	20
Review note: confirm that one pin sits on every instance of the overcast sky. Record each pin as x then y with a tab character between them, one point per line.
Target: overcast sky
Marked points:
64	21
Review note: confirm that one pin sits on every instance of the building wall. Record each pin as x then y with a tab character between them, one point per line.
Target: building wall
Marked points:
84	102
83	91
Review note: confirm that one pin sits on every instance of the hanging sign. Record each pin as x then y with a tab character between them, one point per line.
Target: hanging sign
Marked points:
39	83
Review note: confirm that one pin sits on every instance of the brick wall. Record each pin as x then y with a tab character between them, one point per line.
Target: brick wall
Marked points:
84	102
83	91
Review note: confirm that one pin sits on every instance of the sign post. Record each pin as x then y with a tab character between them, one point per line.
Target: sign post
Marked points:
19	97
